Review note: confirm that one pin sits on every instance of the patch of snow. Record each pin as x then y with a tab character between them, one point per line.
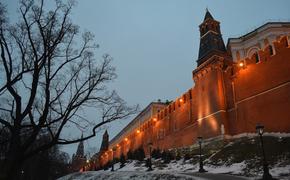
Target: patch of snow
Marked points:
127	175
132	166
236	168
280	171
273	134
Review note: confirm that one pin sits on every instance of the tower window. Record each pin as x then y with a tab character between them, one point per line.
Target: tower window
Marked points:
257	58
271	50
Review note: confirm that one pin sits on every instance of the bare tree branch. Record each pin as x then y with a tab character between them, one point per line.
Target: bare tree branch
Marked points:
51	78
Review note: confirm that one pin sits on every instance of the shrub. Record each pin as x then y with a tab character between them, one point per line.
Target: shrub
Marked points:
156	153
122	161
166	156
130	155
187	156
139	154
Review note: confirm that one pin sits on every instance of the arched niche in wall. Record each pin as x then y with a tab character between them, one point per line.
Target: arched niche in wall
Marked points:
252	51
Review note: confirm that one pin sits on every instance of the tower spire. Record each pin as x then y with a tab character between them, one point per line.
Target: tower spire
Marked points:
80	150
208	15
105	142
211	41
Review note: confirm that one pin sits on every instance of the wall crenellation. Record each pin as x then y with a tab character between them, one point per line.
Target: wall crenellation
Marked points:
265	54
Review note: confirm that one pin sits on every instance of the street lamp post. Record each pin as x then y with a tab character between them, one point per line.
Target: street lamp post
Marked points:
150	156
201	169
114	149
266	173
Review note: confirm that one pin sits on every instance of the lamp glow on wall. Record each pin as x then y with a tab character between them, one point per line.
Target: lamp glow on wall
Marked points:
242	64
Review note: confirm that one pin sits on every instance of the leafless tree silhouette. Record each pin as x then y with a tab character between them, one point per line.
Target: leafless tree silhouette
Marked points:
49	77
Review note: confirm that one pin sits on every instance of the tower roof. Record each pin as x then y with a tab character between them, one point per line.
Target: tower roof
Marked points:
207	15
106	132
211	41
105	142
80	149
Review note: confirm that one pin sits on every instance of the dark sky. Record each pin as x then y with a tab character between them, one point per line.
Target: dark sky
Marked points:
155	43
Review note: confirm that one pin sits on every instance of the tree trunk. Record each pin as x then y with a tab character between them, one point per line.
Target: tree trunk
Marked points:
13	161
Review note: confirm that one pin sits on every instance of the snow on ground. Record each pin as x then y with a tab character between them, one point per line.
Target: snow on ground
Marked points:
126	175
281	171
137	171
185	166
236	168
182	166
272	134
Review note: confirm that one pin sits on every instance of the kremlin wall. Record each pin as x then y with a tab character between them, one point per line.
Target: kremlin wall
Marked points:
235	87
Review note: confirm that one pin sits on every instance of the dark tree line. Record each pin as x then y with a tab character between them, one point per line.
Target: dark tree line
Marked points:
137	154
48	164
49	77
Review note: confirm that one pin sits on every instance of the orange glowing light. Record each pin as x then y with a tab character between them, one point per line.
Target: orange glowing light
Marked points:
241	64
180	100
126	139
118	145
154	119
138	131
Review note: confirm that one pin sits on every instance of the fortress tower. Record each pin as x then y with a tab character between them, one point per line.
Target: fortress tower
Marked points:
209	78
79	159
105	142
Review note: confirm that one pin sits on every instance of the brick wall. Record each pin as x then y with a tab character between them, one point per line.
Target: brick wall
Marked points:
226	98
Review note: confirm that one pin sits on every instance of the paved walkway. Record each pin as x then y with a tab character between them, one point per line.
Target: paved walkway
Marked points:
210	176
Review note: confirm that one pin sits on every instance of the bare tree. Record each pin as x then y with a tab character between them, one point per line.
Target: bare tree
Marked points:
49	77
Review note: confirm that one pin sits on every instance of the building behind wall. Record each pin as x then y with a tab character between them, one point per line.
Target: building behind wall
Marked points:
235	87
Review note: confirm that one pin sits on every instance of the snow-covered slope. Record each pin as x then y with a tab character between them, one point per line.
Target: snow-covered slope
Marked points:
124	175
239	157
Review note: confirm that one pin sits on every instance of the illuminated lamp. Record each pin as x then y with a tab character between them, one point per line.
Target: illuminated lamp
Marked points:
242	64
126	139
138	131
154	119
180	100
88	161
118	145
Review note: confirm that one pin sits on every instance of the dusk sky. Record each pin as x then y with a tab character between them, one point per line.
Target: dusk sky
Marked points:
155	43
